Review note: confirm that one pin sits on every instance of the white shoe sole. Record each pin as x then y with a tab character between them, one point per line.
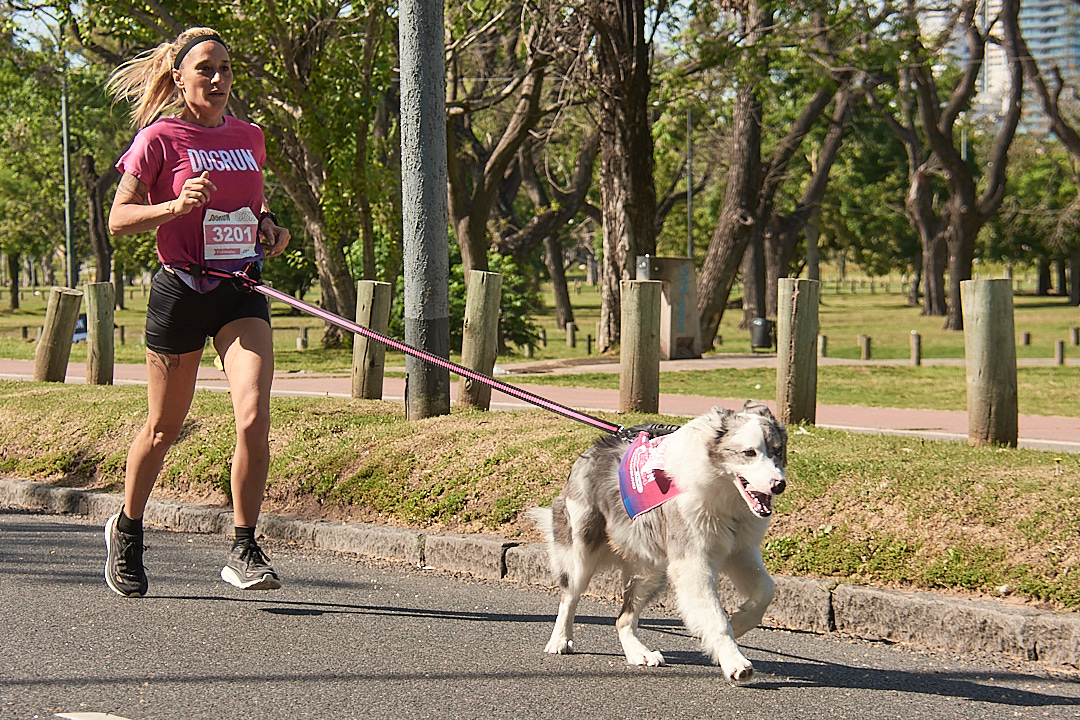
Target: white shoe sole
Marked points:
266	582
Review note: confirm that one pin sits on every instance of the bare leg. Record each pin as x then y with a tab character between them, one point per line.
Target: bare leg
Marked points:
169	388
247	352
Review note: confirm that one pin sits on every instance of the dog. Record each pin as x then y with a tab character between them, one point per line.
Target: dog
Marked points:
722	471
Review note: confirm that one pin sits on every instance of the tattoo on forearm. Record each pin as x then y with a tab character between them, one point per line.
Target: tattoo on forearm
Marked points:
132	187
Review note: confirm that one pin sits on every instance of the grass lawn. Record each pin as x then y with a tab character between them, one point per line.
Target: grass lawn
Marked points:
887	511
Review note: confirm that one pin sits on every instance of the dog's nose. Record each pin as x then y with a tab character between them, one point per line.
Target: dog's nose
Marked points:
779	486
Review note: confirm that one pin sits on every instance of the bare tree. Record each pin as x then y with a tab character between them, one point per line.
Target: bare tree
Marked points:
752	181
945	202
628	195
1050	98
502	62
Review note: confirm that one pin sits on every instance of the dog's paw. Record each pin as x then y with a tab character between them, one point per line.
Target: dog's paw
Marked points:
560	647
647	658
740	672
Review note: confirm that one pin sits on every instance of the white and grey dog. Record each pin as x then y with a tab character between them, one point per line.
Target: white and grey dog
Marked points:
725	468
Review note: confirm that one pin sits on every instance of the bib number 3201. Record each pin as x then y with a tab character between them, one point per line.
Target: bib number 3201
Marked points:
228	235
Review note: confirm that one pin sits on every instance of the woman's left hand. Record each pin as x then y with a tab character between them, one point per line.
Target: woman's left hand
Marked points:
275	239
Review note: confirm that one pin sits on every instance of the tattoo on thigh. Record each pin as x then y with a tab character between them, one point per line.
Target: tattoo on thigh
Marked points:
163	362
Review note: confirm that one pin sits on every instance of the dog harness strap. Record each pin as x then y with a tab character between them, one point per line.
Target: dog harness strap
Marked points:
643	482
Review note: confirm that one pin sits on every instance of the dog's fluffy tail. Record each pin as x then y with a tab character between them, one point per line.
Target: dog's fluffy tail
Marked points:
542	518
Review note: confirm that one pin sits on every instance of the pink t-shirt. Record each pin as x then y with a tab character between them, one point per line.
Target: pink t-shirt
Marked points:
169	151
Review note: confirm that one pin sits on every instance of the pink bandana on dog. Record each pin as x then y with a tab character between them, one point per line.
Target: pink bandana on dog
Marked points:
642	481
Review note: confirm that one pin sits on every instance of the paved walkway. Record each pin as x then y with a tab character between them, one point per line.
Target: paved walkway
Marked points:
1060	434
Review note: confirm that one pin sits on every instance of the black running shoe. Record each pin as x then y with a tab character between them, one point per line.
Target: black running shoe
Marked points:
248	569
124	570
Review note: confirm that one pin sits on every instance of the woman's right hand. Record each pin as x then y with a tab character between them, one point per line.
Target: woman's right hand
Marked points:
194	194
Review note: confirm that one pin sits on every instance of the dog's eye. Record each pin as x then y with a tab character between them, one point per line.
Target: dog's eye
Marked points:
750	453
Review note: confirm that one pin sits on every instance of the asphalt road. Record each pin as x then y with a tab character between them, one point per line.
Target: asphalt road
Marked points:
351	638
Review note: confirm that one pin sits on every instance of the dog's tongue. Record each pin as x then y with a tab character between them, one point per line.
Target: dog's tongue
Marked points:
759	503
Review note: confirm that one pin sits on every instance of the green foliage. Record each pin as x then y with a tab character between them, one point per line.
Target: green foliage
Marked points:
518	303
1040	214
855	221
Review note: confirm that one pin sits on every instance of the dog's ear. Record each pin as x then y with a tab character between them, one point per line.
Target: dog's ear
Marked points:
719	419
753	407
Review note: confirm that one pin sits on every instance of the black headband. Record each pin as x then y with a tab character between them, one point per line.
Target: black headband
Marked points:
192	43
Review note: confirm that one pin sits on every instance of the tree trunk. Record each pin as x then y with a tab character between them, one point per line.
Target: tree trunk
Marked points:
935	257
96	188
754	281
916	282
553	258
118	284
963	231
338	288
737	223
626	150
1043	287
13	262
1074	278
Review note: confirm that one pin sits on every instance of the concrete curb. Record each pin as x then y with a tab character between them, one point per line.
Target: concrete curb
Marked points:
806	604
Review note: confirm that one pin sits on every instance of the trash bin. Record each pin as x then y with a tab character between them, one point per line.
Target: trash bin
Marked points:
761	331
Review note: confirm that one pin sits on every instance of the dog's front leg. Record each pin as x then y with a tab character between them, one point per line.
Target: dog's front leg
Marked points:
694	583
752	580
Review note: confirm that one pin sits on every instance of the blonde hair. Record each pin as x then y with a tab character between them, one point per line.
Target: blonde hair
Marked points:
147	82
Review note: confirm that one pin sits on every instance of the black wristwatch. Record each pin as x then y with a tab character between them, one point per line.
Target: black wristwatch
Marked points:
267	214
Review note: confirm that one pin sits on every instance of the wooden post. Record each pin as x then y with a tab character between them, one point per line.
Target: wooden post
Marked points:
990	349
822	345
571	335
480	336
369	356
1074	335
916	348
639	355
588	344
54	347
1025	339
1059	352
302	338
864	344
123	333
543	337
100	349
796	360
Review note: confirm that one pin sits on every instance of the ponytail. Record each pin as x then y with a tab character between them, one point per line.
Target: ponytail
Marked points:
147	82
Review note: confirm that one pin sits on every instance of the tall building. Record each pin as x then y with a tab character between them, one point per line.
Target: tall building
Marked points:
1051	29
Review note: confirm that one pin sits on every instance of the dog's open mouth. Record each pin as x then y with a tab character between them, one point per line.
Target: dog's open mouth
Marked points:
759	503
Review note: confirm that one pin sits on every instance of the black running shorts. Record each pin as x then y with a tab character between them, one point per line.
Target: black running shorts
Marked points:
179	319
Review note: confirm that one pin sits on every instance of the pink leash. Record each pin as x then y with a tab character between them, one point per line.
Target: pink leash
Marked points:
257	285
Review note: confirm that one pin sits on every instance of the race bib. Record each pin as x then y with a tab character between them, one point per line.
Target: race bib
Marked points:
642	481
230	235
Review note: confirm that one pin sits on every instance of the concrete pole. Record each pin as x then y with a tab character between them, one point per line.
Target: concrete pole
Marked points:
990	349
424	210
796	349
